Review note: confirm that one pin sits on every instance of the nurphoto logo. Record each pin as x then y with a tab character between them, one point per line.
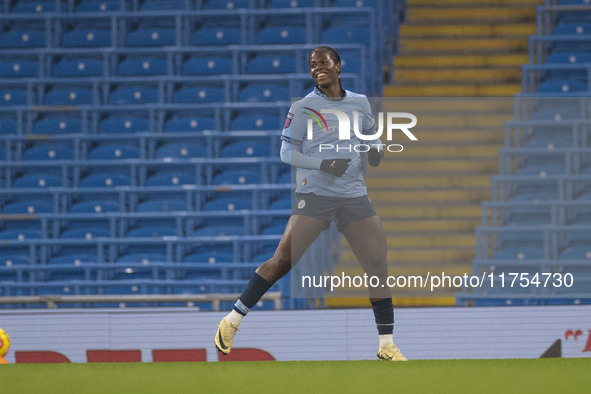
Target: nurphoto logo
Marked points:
392	121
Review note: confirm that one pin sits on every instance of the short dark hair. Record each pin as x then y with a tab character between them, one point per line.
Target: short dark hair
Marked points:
334	55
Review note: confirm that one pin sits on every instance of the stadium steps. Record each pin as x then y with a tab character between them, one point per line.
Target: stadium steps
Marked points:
463	48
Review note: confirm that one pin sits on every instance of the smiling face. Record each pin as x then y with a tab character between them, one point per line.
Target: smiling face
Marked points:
324	70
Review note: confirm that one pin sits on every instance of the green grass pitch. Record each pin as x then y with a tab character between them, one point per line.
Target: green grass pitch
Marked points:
423	376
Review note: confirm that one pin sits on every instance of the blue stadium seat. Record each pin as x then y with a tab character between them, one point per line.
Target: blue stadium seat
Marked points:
207	66
274	230
9	260
37	181
204	272
133	273
246	149
162	205
237	177
57	125
281	35
49	152
20	234
75	259
256	122
34	7
264	93
209	257
226	4
231	203
346	35
185	124
261	257
530	216
355	3
8	126
28	207
114	152
87	38
286	177
100	206
272	65
53	290
541	170
219	231
66	275
136	95
164	5
520	253
71	96
152	231
352	19
19	69
554	113
180	150
577	238
85	233
105	180
576	253
143	258
284	203
79	68
22	39
125	289
10	97
526	239
198	95
216	36
568	58
351	64
151	37
565	86
124	124
573	2
99	6
171	179
549	138
290	3
142	67
572	28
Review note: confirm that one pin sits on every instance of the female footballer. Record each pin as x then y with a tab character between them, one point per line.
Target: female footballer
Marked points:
330	187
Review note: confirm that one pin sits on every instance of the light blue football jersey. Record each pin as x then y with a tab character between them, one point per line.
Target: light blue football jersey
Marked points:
311	117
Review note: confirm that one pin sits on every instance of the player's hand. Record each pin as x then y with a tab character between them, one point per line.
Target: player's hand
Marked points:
335	167
374	157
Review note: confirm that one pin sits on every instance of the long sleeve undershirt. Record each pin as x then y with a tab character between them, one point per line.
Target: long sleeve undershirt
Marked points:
290	154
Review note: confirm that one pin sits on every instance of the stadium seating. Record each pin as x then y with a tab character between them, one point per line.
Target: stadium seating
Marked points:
538	221
118	116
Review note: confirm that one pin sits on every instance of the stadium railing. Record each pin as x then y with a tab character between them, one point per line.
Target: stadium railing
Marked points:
190	300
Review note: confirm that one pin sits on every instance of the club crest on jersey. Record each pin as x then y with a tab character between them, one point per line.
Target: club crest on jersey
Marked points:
288	120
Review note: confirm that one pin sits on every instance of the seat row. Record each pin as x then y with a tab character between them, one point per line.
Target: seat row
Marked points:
88	65
160	91
41	6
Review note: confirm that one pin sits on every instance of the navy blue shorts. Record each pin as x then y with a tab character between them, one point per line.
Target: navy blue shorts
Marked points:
342	210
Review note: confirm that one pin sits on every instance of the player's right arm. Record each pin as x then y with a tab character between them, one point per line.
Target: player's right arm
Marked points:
291	152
